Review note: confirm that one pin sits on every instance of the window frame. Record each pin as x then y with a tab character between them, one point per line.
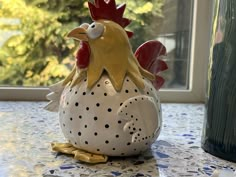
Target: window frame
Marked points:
200	47
200	50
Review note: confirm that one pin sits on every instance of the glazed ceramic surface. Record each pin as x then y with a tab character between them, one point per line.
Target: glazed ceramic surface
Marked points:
104	121
108	104
219	133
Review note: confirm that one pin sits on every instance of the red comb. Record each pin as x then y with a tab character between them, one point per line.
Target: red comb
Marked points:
107	10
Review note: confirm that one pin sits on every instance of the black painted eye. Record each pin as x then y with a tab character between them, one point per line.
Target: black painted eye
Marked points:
95	30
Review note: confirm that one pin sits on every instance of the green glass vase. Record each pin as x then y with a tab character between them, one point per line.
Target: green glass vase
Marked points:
219	131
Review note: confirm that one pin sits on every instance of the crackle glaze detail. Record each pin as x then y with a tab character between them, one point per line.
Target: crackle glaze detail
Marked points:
27	130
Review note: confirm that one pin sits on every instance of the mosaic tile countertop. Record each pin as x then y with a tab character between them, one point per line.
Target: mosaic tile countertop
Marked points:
26	131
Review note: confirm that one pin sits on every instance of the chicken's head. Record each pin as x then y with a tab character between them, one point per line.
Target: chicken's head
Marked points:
109	47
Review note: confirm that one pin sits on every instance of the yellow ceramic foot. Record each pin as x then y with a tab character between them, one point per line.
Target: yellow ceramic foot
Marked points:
81	155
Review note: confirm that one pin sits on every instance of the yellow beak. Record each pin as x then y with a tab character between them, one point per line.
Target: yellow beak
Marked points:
78	34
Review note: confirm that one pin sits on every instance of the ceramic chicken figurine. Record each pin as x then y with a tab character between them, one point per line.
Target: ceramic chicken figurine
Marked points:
108	105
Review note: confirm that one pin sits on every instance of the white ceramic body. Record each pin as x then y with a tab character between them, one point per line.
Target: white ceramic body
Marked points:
104	121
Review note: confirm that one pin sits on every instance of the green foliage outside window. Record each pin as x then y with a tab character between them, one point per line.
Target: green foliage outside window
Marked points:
37	53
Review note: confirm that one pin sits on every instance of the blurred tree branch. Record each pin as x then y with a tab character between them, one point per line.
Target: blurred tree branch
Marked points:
39	54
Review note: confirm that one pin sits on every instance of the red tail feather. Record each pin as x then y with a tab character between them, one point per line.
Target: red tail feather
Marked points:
158	66
158	82
148	55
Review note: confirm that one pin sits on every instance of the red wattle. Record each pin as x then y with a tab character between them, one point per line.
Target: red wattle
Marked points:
83	55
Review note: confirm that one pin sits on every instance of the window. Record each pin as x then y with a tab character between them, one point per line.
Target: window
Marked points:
201	22
34	52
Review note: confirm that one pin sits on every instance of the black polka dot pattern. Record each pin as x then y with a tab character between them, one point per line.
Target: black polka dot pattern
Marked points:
107	130
134	127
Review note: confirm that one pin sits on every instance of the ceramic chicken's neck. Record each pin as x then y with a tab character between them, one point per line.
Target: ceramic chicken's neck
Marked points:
111	54
106	56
